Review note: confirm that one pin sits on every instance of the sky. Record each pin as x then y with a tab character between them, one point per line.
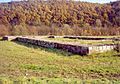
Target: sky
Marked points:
94	1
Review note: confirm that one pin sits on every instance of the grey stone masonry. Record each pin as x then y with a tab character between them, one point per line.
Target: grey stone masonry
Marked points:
76	49
70	47
9	38
101	48
87	38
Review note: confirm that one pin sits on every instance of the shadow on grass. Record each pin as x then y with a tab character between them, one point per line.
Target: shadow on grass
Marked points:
52	50
1	39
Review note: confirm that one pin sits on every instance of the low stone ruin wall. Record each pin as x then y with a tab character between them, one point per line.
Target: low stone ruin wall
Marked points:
76	49
101	48
9	38
87	38
81	50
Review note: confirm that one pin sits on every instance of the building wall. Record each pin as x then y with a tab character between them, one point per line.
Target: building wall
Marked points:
81	50
76	49
9	38
101	48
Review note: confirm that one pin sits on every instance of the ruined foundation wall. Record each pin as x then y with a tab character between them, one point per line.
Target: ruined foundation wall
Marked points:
76	49
101	48
81	50
87	38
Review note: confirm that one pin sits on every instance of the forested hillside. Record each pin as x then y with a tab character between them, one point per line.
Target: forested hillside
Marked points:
59	17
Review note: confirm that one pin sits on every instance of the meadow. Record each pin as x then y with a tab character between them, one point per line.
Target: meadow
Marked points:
27	64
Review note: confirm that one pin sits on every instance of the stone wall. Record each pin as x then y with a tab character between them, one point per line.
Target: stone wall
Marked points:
101	48
87	38
76	49
9	38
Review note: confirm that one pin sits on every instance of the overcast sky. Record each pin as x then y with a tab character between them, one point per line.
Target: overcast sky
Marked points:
94	1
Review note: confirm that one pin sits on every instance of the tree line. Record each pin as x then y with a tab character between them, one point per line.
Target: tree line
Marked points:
59	17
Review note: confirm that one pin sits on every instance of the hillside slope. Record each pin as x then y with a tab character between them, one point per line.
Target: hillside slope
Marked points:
61	14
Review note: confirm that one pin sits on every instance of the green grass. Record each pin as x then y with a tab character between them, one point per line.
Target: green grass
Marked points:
19	60
33	80
78	41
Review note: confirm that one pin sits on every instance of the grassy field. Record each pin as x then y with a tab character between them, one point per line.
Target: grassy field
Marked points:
27	64
78	41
